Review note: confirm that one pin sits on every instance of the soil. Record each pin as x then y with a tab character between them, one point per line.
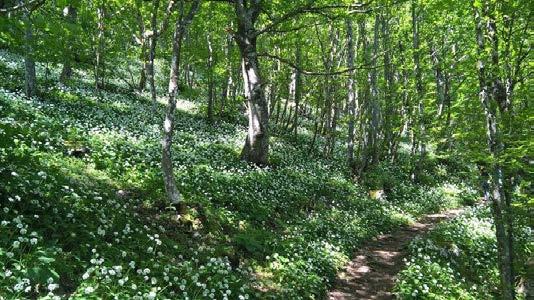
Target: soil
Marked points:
372	272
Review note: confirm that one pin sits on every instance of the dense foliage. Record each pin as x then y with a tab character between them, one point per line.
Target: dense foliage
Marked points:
245	148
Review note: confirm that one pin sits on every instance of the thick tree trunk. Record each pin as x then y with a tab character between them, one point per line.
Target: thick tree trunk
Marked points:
168	125
30	84
256	147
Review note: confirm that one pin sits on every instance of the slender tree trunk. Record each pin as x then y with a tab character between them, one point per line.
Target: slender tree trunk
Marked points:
374	105
70	14
317	128
333	130
363	145
419	137
489	98
297	88
211	93
330	101
289	118
352	97
284	112
228	92
152	53
168	126
440	81
99	52
30	84
390	97
403	115
143	55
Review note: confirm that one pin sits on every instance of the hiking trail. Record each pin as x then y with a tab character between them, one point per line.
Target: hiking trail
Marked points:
371	273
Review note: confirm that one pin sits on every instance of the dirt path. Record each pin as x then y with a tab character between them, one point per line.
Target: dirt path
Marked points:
371	274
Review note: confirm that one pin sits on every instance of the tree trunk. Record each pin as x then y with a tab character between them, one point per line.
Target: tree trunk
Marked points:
99	76
142	76
352	97
440	81
374	105
211	93
168	126
30	84
296	81
389	94
419	136
256	147
490	99
70	14
365	105
143	55
152	53
330	101
228	92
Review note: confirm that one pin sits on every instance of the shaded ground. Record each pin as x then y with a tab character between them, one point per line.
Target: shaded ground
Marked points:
371	274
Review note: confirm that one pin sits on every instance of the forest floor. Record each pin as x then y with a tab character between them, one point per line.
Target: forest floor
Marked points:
372	272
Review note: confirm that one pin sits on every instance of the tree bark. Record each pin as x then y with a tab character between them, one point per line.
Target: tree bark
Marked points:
143	55
211	93
99	51
30	85
70	13
296	88
182	24
228	92
152	52
365	105
351	98
419	136
489	98
389	94
256	147
374	127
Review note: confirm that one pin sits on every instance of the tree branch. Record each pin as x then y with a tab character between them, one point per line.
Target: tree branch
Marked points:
315	73
35	3
308	8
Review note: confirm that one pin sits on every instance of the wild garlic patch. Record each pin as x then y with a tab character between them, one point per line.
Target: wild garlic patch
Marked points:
83	214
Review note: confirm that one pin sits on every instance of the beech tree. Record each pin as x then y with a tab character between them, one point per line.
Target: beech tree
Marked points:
182	23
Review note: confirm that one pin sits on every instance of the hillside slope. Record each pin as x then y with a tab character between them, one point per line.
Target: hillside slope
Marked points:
83	212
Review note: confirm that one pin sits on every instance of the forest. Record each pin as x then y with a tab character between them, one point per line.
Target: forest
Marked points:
266	149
